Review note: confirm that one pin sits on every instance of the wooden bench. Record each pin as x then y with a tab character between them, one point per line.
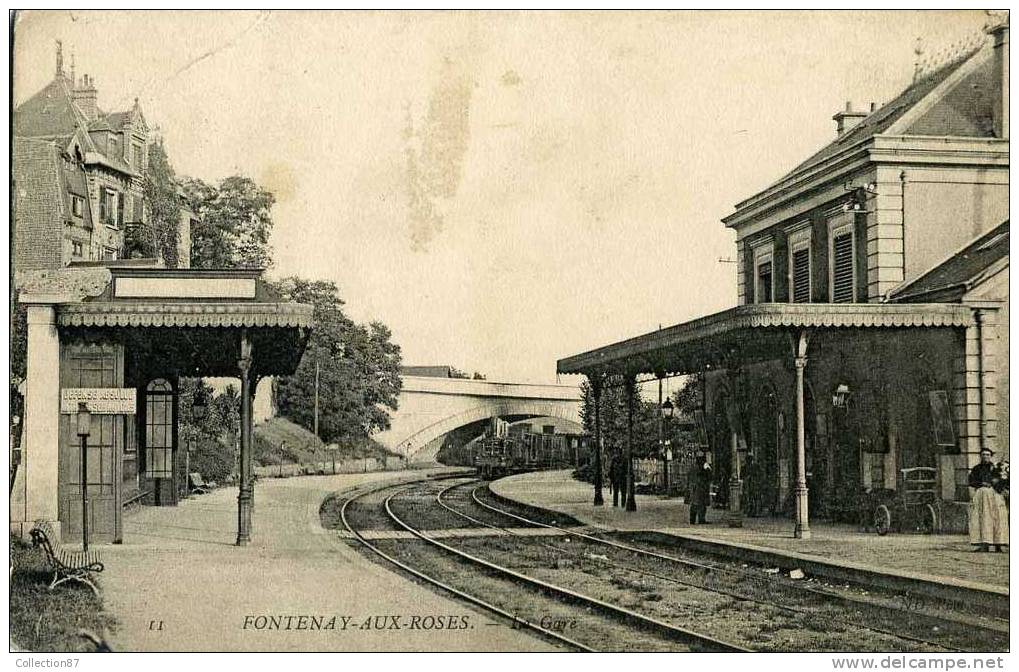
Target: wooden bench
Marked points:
67	565
198	484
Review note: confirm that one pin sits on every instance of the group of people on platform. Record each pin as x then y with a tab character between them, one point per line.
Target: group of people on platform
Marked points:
988	514
698	486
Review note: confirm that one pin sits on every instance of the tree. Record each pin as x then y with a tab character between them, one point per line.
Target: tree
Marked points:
358	369
613	414
690	397
233	223
160	234
214	438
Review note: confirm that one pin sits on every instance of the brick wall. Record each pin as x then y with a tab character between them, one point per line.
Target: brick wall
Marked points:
38	206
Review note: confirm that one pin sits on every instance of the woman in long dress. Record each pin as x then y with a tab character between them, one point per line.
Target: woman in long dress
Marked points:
988	516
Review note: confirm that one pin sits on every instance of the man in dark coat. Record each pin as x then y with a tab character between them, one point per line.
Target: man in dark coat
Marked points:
617	479
699	489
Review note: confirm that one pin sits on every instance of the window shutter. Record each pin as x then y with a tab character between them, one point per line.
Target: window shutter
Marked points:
120	209
764	281
801	276
842	269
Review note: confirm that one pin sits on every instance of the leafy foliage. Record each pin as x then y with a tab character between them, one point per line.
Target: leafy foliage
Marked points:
159	235
233	224
690	397
613	415
358	369
457	373
214	438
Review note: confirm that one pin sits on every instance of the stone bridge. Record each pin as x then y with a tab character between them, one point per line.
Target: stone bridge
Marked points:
431	407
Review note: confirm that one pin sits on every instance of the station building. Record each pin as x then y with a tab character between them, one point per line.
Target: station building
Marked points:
118	338
871	331
117	334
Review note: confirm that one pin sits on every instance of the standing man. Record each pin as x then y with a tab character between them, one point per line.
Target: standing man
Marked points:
617	479
699	487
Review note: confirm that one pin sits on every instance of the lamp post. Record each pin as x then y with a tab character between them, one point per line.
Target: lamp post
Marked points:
84	429
596	387
667	411
198	408
630	388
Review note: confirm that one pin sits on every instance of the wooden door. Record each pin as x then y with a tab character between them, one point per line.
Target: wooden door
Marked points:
92	366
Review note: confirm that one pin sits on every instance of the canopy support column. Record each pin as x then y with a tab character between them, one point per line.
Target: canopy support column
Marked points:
802	530
596	387
735	517
246	496
631	392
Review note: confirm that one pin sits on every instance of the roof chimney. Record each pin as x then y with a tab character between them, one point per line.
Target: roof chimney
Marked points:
847	119
86	97
1000	111
60	58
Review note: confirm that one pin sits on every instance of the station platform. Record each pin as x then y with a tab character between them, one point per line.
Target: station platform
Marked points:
840	550
178	583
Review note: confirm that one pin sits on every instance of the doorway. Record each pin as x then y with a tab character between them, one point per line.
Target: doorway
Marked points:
762	479
92	366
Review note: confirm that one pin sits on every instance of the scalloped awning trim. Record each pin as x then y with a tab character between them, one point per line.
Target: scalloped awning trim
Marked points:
193	315
773	316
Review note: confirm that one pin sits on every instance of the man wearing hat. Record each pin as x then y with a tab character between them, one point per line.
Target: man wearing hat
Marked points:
988	517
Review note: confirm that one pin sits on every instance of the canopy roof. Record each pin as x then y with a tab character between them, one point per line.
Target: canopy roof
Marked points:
749	332
185	320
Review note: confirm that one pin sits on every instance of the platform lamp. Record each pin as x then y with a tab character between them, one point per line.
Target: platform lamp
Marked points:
84	422
199	405
668	409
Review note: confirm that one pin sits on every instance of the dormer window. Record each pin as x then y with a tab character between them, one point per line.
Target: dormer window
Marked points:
764	270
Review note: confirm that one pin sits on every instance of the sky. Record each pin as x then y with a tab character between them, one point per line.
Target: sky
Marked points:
502	189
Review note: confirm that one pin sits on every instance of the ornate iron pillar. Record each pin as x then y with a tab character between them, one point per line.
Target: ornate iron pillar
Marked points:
735	517
661	440
631	392
802	530
246	497
596	384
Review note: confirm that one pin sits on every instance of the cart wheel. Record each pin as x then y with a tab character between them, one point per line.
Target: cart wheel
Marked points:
882	520
929	520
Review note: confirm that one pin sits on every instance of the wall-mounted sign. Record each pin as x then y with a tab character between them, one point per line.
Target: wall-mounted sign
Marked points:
185	288
100	400
941	418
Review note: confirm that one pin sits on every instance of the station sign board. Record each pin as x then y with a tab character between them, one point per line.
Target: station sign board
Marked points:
99	400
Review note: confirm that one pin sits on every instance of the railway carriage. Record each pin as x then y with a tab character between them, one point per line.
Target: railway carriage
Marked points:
501	451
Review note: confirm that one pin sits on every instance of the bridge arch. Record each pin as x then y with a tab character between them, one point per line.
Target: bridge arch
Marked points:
533	408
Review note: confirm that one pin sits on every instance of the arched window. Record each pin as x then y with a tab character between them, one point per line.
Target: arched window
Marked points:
159	429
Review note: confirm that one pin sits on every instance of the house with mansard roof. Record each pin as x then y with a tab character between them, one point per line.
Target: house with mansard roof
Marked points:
871	328
78	175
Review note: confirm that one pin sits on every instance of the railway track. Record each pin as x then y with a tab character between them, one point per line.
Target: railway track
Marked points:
596	625
950	631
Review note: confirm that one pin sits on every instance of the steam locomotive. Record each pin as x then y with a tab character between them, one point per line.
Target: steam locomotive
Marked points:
506	449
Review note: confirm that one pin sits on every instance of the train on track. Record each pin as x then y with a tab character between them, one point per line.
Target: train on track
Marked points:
508	449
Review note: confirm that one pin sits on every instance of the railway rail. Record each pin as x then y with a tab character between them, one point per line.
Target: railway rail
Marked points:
433	531
616	624
949	629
